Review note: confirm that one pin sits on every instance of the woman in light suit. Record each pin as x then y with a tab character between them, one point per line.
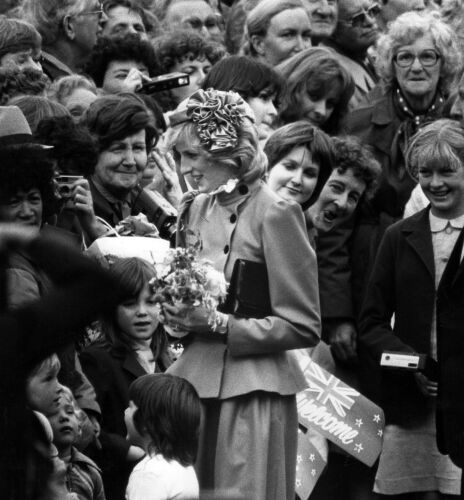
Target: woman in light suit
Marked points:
242	370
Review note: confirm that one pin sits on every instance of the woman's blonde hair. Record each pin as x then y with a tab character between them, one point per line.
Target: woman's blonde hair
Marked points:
408	28
441	142
247	157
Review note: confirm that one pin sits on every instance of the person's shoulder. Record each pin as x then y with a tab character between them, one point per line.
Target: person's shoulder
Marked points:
84	462
409	224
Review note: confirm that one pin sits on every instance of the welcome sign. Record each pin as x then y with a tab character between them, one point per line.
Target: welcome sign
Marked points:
340	413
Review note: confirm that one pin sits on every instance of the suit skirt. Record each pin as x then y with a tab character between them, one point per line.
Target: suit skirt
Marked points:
248	447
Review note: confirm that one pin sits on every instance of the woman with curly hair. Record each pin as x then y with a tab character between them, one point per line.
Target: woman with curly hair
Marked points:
187	52
318	89
418	61
121	64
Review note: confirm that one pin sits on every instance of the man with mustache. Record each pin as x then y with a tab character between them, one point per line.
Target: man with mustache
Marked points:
356	32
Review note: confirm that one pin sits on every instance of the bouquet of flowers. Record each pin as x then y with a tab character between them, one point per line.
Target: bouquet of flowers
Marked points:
184	280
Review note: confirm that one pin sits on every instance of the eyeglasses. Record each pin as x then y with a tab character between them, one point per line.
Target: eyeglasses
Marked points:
359	19
211	22
427	58
98	12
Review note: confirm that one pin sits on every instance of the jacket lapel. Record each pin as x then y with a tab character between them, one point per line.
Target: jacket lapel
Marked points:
131	365
384	130
418	235
460	272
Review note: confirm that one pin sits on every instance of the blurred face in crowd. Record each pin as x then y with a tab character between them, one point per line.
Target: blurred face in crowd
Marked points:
417	68
122	21
391	9
28	58
444	188
87	25
289	32
323	15
195	15
457	109
357	27
294	177
116	73
137	317
319	108
265	113
43	390
119	168
202	172
65	423
24	207
197	69
78	101
338	200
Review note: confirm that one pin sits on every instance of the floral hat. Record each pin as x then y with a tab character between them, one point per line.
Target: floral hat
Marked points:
218	116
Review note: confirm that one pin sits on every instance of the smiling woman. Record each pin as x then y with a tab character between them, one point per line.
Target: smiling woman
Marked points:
418	61
124	131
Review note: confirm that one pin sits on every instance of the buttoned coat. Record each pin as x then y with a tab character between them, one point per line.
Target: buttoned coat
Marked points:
253	223
403	283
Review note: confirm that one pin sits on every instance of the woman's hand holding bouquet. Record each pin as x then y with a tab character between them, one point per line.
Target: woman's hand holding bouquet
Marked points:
189	291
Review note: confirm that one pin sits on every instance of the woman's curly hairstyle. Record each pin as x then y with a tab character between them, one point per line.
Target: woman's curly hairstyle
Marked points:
26	81
128	48
408	28
352	154
179	45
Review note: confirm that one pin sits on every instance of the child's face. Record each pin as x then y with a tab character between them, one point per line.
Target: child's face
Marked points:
133	435
43	389
444	188
138	317
65	424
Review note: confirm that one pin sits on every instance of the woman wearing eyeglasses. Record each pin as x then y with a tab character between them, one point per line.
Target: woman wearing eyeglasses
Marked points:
418	60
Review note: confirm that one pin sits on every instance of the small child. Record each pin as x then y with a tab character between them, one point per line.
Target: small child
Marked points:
83	477
163	418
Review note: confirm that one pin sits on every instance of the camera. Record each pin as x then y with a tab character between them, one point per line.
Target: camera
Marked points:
66	184
159	211
165	82
410	362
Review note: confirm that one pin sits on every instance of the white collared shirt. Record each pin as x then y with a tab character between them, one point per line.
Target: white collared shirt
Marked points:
444	236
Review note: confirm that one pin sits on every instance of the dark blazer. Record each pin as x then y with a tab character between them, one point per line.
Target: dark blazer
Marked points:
111	372
402	282
450	338
376	125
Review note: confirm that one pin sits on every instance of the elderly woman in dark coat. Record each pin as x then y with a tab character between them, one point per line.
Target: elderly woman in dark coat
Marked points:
418	60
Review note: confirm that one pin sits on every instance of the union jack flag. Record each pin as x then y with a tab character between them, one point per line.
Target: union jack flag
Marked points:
330	389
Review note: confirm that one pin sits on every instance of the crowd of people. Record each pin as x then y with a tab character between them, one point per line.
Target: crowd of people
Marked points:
313	152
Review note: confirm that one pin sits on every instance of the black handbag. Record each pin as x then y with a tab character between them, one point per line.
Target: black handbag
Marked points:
248	294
